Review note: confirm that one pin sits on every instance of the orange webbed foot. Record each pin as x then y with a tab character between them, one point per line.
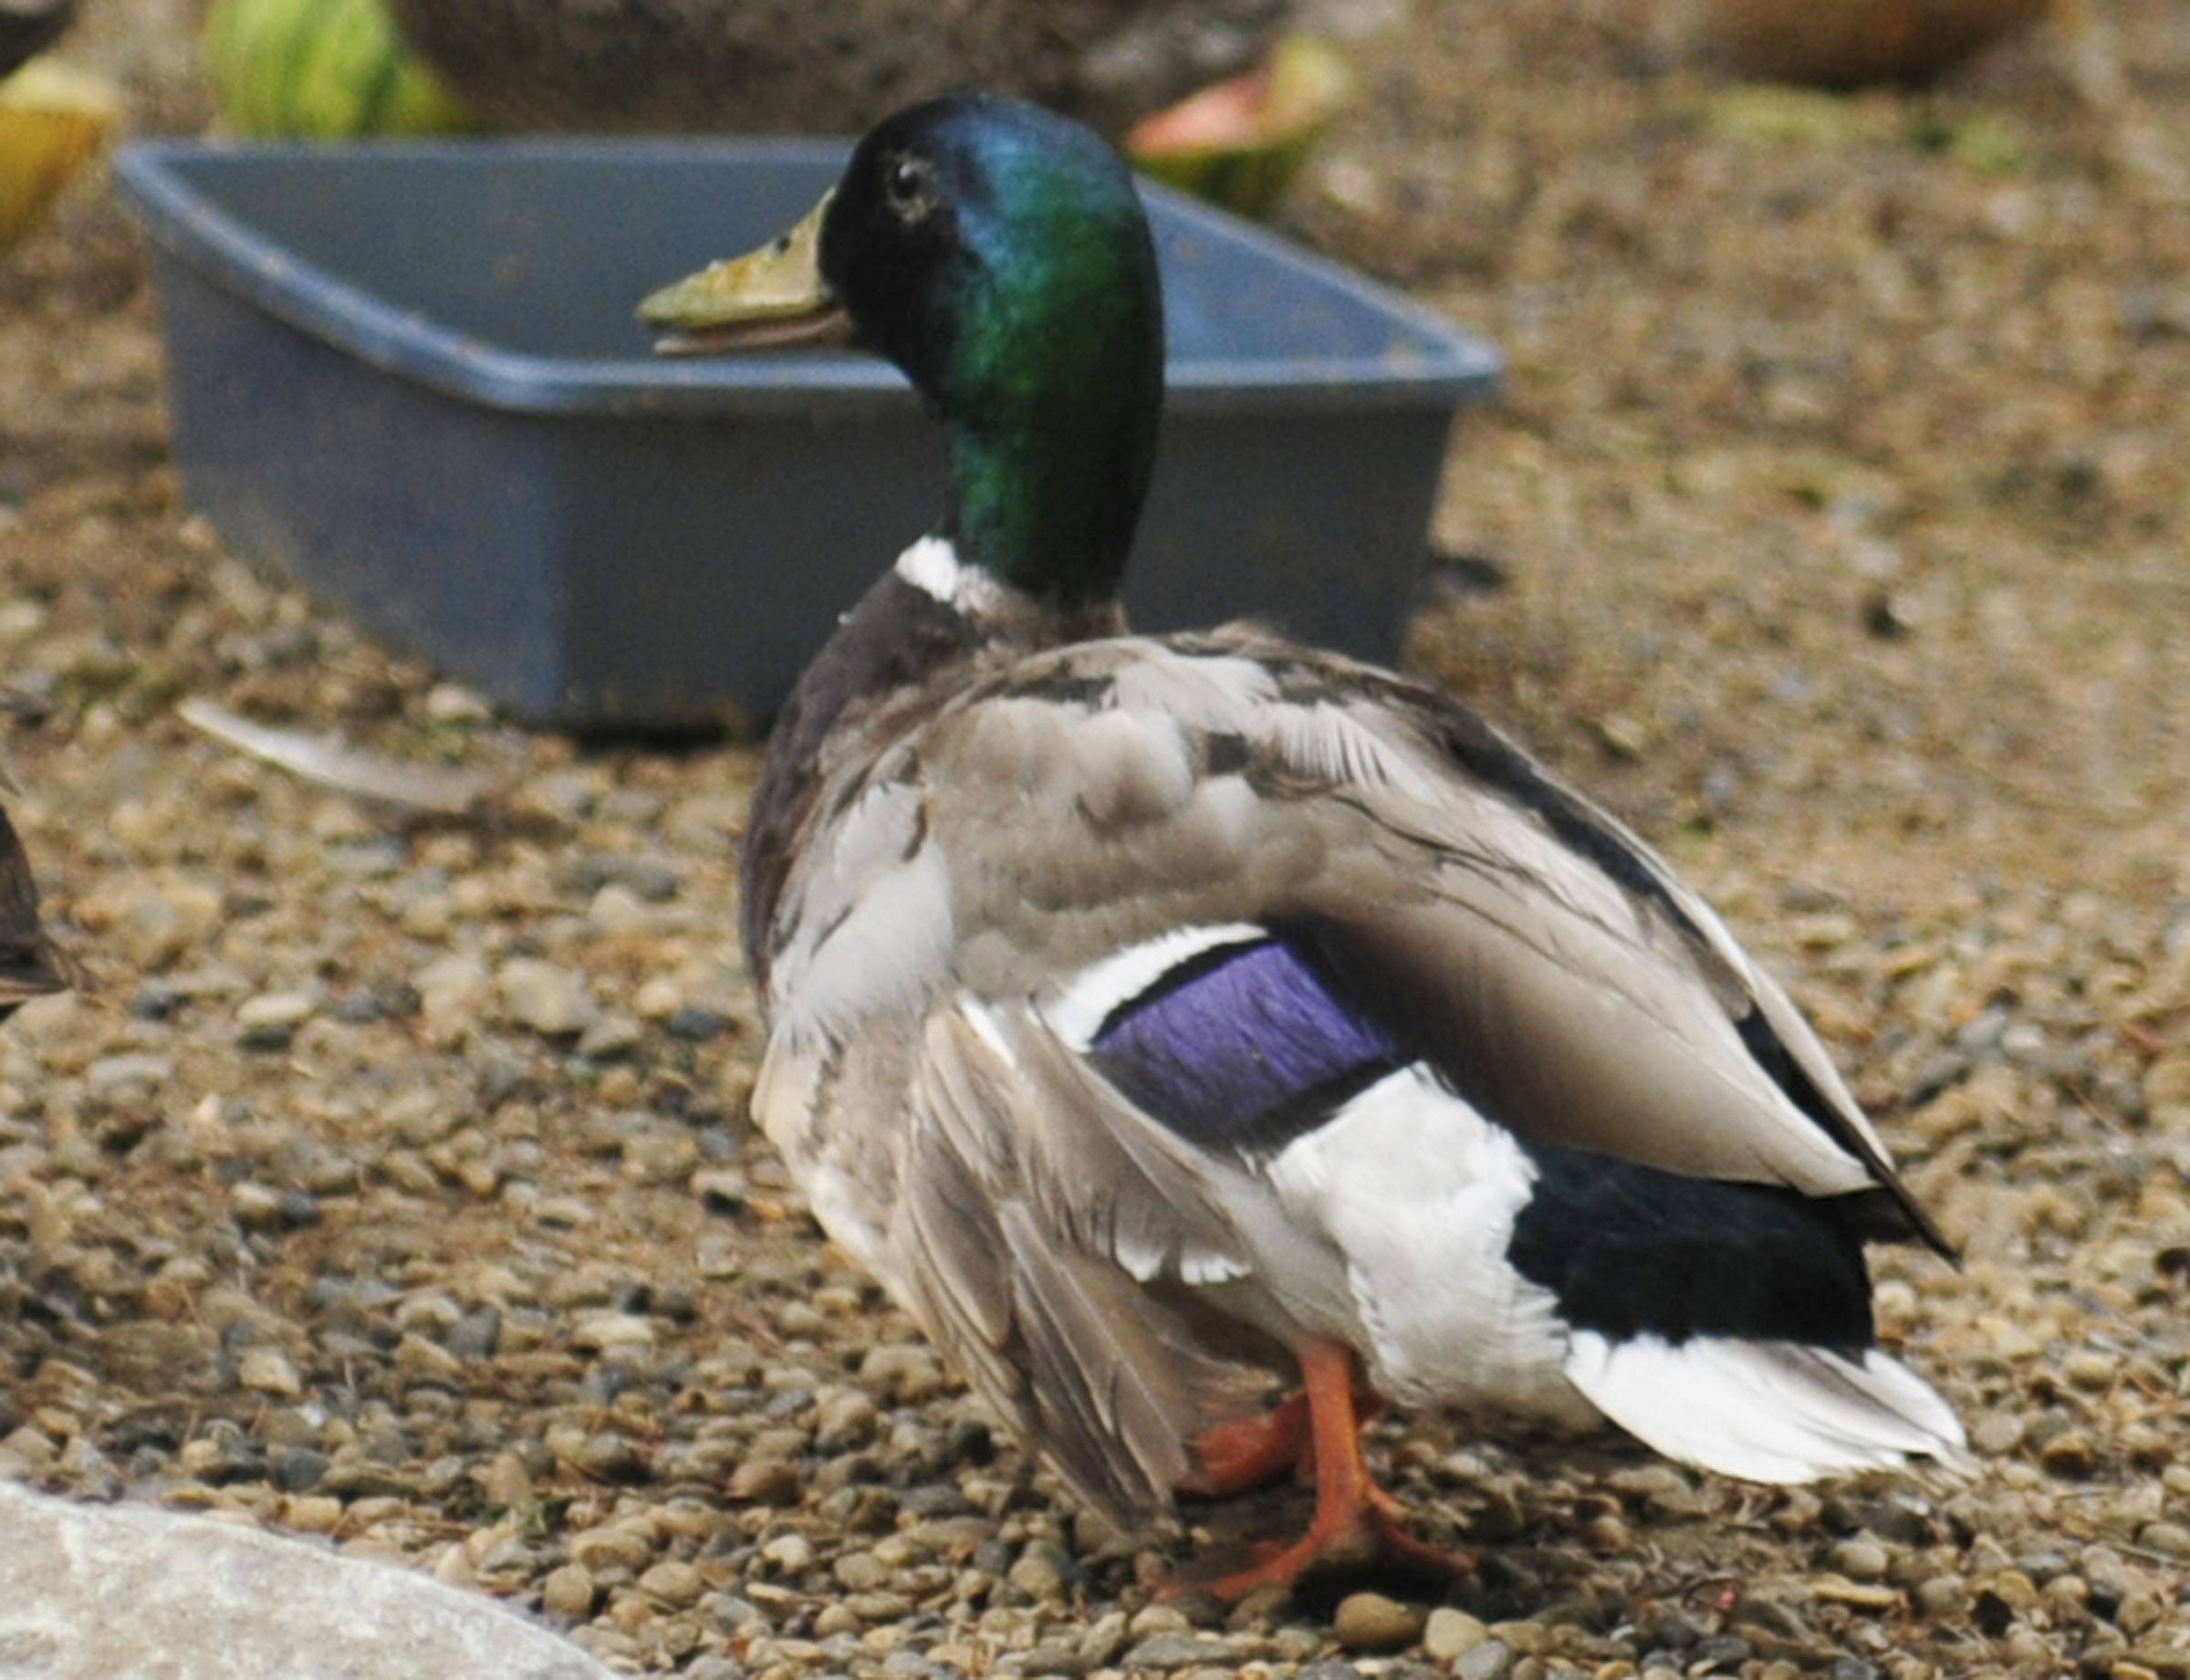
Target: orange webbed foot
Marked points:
1356	1525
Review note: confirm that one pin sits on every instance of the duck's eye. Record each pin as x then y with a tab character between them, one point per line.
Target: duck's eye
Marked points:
906	179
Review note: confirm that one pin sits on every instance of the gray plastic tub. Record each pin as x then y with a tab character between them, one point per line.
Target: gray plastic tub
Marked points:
409	376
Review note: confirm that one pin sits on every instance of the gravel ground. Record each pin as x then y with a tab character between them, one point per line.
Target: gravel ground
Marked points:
390	1182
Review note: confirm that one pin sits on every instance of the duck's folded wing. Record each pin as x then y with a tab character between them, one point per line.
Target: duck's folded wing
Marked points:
1541	956
1038	1231
1566	982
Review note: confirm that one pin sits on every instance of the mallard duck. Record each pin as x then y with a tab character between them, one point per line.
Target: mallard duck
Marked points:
29	27
1163	1016
741	67
29	967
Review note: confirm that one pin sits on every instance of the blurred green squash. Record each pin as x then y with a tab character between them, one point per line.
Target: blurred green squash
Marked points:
320	69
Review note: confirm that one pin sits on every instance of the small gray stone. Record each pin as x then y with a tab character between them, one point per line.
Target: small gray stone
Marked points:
474	1335
299	1469
1162	1653
695	1025
1491	1660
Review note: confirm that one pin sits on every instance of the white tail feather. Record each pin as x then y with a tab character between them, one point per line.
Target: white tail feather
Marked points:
1765	1410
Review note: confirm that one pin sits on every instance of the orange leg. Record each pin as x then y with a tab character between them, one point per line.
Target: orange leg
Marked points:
1356	1521
1246	1452
1243	1453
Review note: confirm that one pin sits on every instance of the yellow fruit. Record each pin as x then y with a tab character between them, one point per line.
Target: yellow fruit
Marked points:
319	69
53	120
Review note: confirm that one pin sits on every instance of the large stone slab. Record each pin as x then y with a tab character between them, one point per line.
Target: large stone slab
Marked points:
131	1592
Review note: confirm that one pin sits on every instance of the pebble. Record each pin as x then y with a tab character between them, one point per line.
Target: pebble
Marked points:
1944	1597
677	1585
695	1025
844	1422
1606	1533
550	1000
603	1548
2140	1612
299	1469
610	1037
2153	1663
276	1009
905	1375
476	1335
256	1207
766	1482
570	1591
314	1513
507	1482
113	1073
1525	1638
1040	1576
860	1572
1163	1653
2090	1368
792	1553
1860	1559
1372	1622
267	1371
2071	1455
1450	1633
646	878
451	703
1492	1659
1856	1594
2170	1539
609	1332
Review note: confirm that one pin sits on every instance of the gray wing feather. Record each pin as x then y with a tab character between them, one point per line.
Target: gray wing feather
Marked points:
1019	1175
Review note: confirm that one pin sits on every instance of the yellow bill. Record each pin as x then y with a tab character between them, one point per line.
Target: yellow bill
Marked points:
767	298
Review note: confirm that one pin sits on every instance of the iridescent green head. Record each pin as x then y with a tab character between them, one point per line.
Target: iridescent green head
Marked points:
1000	256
